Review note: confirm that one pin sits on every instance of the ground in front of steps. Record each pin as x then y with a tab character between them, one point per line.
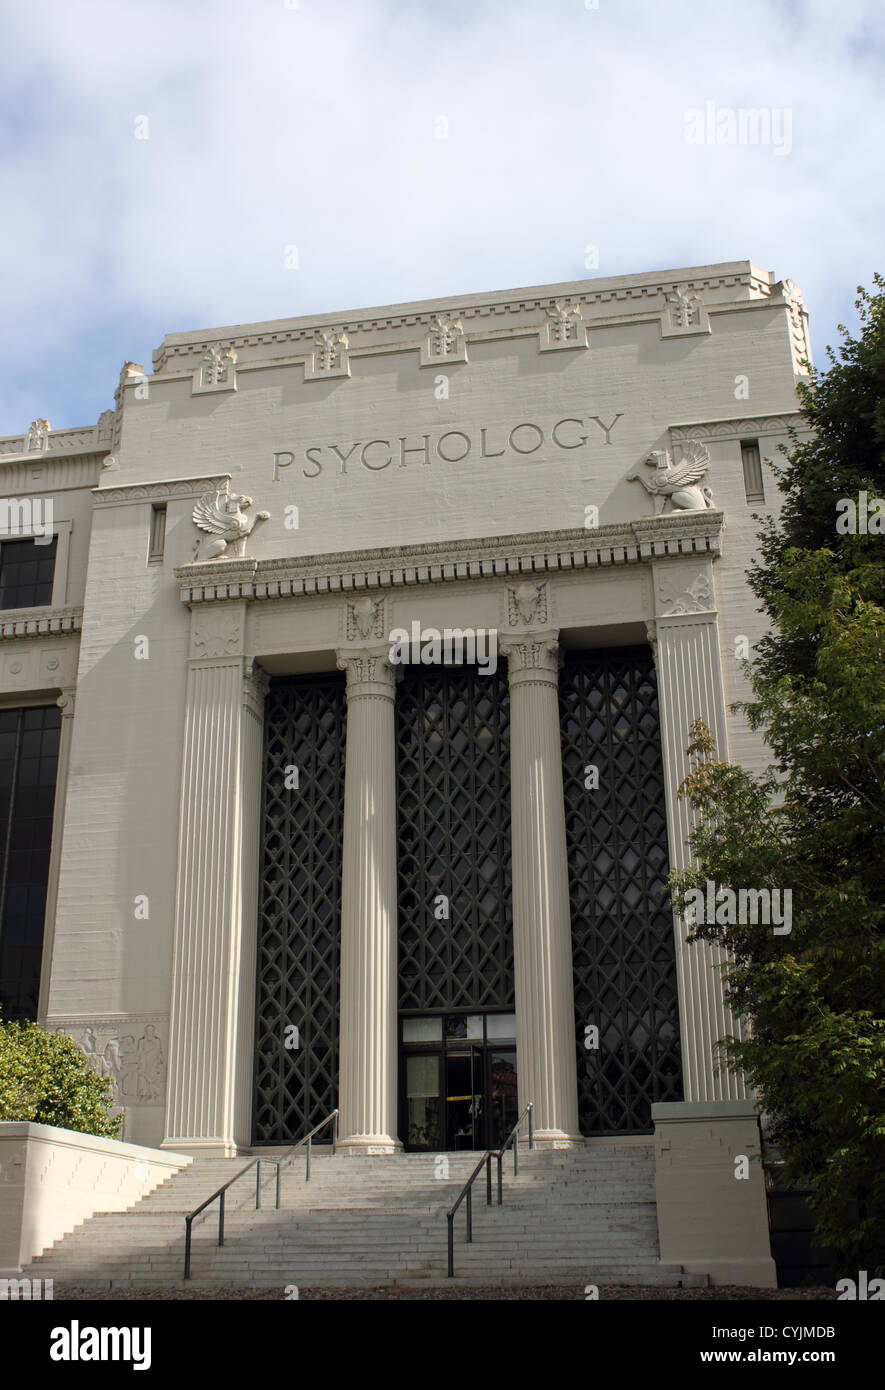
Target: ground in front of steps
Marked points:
437	1291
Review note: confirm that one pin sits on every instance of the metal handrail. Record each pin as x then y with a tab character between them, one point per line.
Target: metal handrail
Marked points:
467	1190
256	1164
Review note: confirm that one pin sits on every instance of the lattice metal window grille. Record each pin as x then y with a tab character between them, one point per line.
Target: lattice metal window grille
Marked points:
453	801
299	921
622	929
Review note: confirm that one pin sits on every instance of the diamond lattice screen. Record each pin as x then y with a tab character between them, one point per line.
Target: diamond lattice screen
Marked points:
299	922
453	798
622	929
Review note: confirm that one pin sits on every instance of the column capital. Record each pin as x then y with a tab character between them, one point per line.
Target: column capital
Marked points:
256	682
533	657
369	671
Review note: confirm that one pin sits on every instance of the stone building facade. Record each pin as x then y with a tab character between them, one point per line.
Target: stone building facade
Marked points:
289	864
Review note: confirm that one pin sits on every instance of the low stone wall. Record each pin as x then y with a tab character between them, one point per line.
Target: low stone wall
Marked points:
710	1188
52	1179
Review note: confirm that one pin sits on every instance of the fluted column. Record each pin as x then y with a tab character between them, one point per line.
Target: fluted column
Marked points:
542	939
211	1044
685	636
367	1083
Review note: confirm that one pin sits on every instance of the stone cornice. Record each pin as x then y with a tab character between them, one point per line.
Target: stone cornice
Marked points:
541	552
124	494
631	295
742	427
40	622
85	439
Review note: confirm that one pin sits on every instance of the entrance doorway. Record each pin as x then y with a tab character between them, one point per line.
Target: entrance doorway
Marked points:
458	1082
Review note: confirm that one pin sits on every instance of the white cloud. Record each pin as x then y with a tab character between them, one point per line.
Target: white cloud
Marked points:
315	126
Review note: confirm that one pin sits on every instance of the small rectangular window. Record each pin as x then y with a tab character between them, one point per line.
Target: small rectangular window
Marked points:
27	572
750	457
158	531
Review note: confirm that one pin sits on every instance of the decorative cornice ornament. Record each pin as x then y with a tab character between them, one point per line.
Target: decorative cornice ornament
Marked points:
217	371
222	515
330	355
37	437
364	619
684	315
526	604
677	482
444	341
563	327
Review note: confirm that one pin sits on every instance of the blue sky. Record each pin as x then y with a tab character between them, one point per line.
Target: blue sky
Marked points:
316	124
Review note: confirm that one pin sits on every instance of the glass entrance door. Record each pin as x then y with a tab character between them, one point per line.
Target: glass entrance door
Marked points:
458	1081
465	1119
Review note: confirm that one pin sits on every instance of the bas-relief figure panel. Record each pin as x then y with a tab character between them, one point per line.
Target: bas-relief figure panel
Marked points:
132	1053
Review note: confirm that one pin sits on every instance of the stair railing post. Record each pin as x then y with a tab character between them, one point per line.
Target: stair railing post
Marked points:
307	1167
489	1179
279	1166
334	1132
187	1247
516	1153
450	1217
221	1219
500	1179
531	1126
469	1214
258	1185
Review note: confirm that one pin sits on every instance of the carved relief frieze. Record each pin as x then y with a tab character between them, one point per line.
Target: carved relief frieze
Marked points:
679	591
217	632
131	1053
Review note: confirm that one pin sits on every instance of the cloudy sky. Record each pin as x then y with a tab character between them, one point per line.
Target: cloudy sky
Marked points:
193	163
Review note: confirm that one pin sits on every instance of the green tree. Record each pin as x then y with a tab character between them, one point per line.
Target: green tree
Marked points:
814	823
44	1077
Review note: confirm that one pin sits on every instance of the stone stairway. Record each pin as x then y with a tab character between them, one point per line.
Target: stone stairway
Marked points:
584	1215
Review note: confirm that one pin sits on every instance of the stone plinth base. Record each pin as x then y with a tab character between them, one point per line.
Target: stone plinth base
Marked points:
368	1146
711	1219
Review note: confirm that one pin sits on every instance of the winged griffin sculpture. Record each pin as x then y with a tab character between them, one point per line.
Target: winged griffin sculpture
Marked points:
222	516
678	481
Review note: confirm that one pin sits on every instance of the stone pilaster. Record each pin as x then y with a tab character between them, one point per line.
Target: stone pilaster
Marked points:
367	1095
66	702
213	986
685	638
541	918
